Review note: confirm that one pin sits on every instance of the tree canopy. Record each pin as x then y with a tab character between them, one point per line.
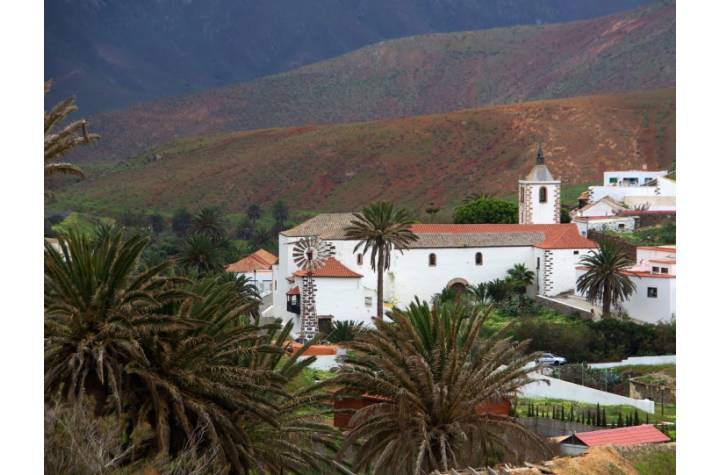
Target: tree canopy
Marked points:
486	210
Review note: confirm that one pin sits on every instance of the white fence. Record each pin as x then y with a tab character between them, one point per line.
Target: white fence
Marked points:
563	390
636	361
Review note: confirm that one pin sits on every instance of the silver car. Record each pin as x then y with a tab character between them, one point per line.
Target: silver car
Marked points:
551	360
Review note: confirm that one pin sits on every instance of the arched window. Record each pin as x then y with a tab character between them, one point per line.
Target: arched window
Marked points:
432	260
543	194
359	259
478	259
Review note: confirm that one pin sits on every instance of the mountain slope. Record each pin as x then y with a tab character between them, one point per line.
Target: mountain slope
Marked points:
414	161
418	75
113	53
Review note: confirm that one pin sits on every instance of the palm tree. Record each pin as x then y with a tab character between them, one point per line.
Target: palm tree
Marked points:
253	212
302	441
208	222
57	143
431	371
344	331
606	279
178	356
380	228
520	277
202	254
246	291
93	298
479	293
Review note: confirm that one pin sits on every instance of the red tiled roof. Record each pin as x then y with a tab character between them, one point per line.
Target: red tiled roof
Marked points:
667	248
663	261
294	291
649	274
635	435
258	260
315	350
557	236
594	218
332	268
635	212
632	273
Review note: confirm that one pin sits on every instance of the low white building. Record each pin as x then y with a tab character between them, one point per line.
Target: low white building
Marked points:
605	214
604	223
631	177
654	277
257	268
636	188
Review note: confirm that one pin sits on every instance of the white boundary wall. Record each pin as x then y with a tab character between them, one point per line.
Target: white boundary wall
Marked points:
636	361
563	390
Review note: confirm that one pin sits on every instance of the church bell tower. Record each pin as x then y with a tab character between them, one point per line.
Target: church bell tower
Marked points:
539	195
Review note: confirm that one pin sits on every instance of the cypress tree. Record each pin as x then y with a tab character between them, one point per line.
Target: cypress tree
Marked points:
562	412
597	414
647	418
619	420
603	421
572	414
636	418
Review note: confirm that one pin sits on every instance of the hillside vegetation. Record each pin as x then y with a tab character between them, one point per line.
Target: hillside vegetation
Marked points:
413	161
417	75
113	53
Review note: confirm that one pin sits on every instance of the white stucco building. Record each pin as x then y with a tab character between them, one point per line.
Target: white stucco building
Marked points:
445	255
637	188
257	268
605	214
654	277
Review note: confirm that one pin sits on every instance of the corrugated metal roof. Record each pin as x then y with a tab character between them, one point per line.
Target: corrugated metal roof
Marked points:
635	435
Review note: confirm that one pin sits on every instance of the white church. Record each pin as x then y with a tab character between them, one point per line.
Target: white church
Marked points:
445	255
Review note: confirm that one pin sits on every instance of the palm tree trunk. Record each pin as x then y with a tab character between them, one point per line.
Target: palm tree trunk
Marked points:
380	270
606	300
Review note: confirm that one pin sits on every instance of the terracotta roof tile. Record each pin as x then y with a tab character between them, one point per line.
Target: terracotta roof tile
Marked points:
332	268
294	291
258	260
547	236
635	435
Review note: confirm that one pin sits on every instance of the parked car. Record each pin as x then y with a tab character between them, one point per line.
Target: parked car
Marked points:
550	359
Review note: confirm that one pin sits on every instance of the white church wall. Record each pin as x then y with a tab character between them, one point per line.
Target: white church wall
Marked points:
560	265
413	276
344	299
